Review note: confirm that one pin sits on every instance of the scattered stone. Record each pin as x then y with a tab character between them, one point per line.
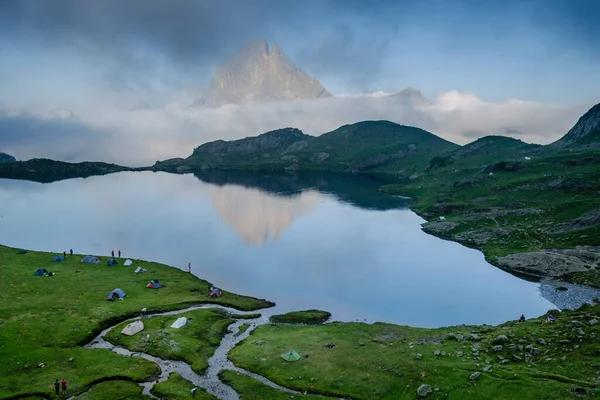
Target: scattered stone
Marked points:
500	358
460	337
459	353
487	368
418	356
330	345
497	348
580	331
516	358
504	362
451	336
593	322
443	353
576	346
41	365
528	357
258	342
475	376
501	339
472	336
563	358
436	353
541	341
575	324
424	390
564	341
71	359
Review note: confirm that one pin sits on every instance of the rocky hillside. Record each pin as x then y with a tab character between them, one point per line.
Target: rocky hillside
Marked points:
6	158
375	146
44	170
256	73
586	131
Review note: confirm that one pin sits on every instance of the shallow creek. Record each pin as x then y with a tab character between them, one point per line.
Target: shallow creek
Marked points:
218	362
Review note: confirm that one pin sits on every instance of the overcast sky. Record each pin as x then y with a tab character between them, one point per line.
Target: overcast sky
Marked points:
99	59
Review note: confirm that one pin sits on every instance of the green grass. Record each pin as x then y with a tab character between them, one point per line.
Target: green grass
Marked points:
193	343
177	388
243	328
114	390
45	319
251	389
381	360
309	317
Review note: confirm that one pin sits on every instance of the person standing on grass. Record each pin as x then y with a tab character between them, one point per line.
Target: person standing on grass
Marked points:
71	251
64	254
194	391
112	253
57	386
190	268
119	253
64	385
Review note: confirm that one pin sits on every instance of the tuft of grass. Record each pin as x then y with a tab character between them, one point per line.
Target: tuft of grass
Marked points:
387	361
46	319
177	388
308	317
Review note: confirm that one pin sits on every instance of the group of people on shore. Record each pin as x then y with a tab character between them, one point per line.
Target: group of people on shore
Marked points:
112	253
58	384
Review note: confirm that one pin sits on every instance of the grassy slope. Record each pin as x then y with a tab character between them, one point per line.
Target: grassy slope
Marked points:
114	390
381	360
251	389
43	319
466	194
177	388
310	317
194	343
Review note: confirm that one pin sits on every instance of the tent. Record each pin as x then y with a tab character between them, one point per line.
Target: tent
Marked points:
154	284
40	272
291	355
215	292
179	323
133	328
21	251
116	294
112	261
127	263
58	259
139	270
90	260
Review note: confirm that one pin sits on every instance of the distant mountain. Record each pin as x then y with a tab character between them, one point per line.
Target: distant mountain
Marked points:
411	96
45	170
256	73
585	132
6	158
376	146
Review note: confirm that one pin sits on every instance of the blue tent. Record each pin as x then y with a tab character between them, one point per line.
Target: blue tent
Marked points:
40	272
21	251
116	294
112	261
90	260
58	258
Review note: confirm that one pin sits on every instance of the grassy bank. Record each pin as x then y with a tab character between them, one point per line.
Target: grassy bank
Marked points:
251	389
193	343
177	388
43	320
529	360
308	317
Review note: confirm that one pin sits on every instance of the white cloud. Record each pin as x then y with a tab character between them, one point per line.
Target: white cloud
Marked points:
142	135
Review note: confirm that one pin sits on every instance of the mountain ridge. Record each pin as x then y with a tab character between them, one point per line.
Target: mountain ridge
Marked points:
6	158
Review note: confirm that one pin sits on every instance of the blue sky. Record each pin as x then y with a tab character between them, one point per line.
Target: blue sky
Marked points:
69	51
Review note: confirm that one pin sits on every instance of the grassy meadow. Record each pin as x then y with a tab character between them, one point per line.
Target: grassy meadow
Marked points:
45	320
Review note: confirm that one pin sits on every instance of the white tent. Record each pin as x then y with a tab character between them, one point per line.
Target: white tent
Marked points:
128	263
179	323
139	270
133	328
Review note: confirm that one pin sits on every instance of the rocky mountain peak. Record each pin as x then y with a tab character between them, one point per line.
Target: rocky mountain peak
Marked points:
413	96
4	158
257	73
585	131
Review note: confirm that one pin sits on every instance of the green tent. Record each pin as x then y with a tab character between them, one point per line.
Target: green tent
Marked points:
291	355
21	251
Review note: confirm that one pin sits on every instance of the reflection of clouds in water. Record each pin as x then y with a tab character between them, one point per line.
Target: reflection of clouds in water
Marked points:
258	216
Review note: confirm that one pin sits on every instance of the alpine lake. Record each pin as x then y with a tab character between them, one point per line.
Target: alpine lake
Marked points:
303	241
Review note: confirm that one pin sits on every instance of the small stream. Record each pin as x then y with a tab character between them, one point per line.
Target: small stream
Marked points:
210	380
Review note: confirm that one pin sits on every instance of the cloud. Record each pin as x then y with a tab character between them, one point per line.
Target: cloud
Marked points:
141	136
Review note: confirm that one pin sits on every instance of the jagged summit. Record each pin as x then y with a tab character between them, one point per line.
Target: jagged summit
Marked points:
257	73
585	132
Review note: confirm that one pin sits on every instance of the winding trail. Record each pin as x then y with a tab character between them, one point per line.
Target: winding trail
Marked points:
218	362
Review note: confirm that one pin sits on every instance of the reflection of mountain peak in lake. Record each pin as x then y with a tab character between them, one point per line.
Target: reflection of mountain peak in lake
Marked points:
258	216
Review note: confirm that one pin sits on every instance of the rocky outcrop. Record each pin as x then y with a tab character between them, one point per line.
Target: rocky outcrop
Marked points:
255	74
6	158
281	139
588	220
552	262
585	131
45	170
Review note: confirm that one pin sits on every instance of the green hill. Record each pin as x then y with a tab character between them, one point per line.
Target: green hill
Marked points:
45	170
6	158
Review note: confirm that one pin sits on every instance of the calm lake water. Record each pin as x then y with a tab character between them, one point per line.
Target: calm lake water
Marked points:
302	241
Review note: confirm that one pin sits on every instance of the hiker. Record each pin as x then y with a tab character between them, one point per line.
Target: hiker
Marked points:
63	383
194	391
143	313
157	370
550	318
190	268
112	253
57	386
64	254
119	253
522	319
71	251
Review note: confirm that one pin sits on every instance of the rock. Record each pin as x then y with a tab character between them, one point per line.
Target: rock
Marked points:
501	339
563	358
487	368
516	358
564	341
451	336
475	376
528	357
460	337
319	157
593	322
424	390
472	337
504	362
258	342
580	331
436	353
418	356
549	262
459	353
575	324
541	341
497	348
